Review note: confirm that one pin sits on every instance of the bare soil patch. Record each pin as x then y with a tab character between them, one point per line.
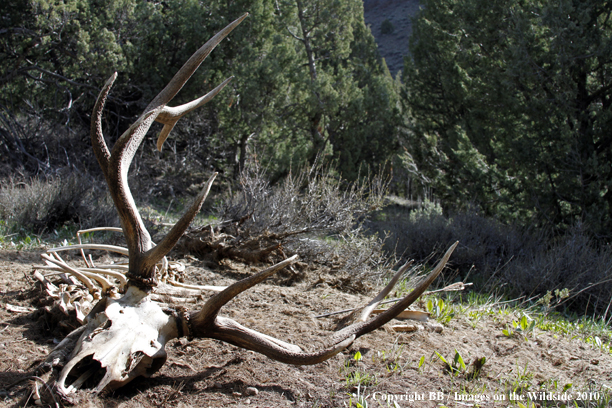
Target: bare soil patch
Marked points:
208	373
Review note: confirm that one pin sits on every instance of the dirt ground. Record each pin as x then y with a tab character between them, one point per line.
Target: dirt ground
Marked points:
208	373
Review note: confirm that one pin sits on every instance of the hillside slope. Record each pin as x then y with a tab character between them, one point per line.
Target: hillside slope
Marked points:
394	46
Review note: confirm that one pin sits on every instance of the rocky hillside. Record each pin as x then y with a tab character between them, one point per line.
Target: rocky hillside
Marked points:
392	39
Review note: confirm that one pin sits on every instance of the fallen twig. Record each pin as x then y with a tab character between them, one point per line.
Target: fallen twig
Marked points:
450	288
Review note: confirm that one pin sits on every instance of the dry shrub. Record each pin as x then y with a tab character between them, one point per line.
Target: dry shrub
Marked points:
44	204
312	201
312	213
498	257
574	261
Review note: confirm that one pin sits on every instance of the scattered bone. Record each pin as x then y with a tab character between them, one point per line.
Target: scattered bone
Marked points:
171	299
182	364
197	287
429	325
83	285
19	309
407	328
408	314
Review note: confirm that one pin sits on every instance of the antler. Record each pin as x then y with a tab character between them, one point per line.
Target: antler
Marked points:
206	323
143	252
125	337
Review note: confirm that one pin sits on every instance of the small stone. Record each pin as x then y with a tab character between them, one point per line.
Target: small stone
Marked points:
594	361
218	385
236	394
251	391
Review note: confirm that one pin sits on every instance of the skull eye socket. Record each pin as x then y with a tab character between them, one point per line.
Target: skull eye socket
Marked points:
86	374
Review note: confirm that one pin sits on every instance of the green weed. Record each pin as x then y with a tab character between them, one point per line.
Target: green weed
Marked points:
440	310
521	383
421	362
356	376
457	366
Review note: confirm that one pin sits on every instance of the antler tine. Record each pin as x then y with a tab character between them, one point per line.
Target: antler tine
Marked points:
169	116
230	331
192	64
97	136
213	305
155	254
365	313
362	328
115	163
128	143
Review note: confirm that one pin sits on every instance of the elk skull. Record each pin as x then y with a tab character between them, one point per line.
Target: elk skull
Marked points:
127	339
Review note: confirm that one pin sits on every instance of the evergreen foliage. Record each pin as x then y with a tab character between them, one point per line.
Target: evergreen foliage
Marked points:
308	79
510	102
386	27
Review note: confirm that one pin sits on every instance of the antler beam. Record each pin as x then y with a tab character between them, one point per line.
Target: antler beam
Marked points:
207	324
